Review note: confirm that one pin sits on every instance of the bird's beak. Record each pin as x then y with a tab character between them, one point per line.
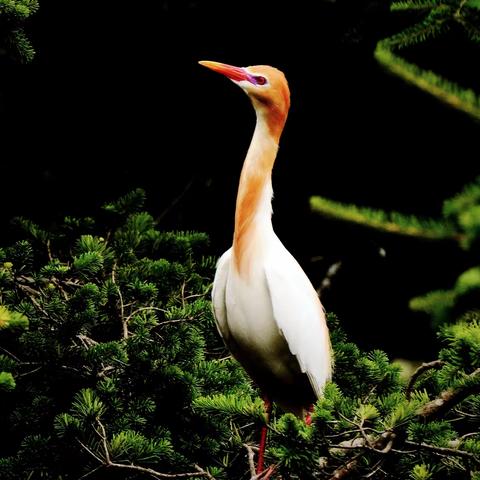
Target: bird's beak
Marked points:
233	73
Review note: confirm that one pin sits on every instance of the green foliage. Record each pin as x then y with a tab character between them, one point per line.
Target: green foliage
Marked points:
7	382
120	350
438	304
13	14
129	203
461	223
464	210
439	18
392	222
9	320
421	472
232	405
474	4
32	229
464	344
121	374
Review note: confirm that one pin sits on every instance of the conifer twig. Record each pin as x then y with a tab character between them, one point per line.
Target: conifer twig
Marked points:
422	368
142	309
107	461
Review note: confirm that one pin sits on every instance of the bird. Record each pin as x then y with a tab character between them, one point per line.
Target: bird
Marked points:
266	309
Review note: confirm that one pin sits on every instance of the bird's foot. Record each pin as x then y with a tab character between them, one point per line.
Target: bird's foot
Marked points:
265	474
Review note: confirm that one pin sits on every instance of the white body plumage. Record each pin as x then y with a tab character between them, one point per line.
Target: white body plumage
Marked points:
267	311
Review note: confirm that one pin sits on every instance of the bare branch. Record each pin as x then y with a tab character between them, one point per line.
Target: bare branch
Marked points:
265	474
419	371
94	455
346	469
251	462
49	250
444	451
449	398
177	320
31	371
327	281
31	293
183	294
87	342
122	307
156	474
103	436
176	200
10	353
204	472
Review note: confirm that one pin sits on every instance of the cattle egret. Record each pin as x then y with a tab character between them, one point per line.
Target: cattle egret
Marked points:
267	311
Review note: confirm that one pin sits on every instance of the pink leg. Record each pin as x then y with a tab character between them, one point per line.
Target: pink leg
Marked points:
263	436
308	417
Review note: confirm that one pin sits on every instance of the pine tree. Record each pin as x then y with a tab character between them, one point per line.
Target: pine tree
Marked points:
120	345
120	373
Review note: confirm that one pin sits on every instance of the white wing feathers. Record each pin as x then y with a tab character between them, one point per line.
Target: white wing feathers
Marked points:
299	315
218	294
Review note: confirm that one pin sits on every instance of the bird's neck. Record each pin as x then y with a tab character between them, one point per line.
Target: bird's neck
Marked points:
254	199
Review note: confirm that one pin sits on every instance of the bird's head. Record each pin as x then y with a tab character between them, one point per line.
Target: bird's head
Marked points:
266	86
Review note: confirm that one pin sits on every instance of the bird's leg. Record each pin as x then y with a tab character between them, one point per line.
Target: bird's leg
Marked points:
263	435
308	417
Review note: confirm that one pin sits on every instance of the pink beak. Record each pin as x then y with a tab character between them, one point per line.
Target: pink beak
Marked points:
233	73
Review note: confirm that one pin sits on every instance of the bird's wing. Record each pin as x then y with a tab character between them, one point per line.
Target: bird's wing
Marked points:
218	295
299	315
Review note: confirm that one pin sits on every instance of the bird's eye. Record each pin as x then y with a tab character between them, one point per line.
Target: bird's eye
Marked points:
259	80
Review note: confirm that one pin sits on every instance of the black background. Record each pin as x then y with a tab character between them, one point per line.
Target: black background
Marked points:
115	99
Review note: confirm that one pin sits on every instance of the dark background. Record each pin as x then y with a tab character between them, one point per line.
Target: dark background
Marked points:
115	99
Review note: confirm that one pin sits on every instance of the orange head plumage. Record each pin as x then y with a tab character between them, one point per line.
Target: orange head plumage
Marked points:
267	88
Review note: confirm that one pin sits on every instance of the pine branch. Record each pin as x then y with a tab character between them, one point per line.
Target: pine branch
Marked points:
413	5
430	411
391	222
129	203
419	371
107	461
437	21
451	397
448	92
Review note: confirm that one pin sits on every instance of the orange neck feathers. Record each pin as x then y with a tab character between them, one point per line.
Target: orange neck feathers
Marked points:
253	209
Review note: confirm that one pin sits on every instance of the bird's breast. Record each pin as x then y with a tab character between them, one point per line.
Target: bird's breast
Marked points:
259	343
